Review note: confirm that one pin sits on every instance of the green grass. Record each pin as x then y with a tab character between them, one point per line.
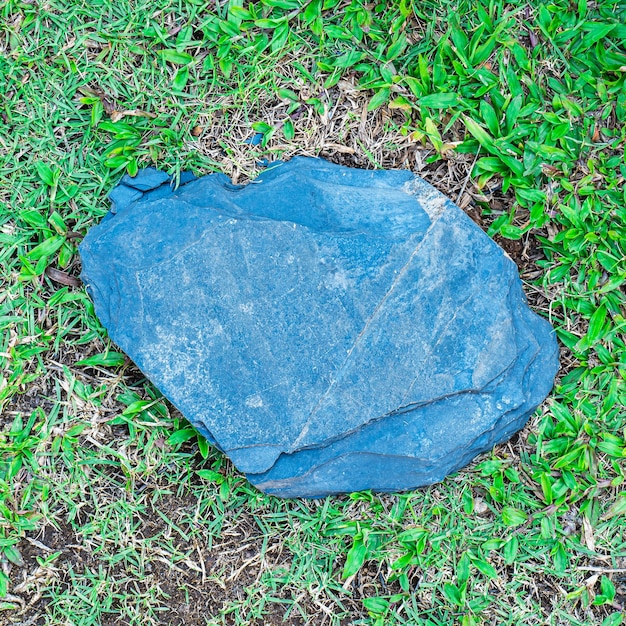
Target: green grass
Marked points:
139	519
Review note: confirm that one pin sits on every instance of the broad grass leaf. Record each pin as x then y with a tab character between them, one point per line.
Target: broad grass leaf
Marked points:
546	487
479	133
13	555
313	11
4	584
615	619
490	117
287	94
34	218
262	127
182	435
239	12
288	130
412	534
401	103
171	55
104	359
348	59
211	476
230	28
596	323
76	430
46	248
268	23
355	558
483	52
491	164
570	459
226	65
379	98
136	407
512	112
485	568
612	445
453	593
607	588
181	78
510	231
396	48
512	516
516	166
121	130
376	605
463	570
132	167
560	558
117	162
46	173
440	100
595	32
203	446
511	548
57	222
281	34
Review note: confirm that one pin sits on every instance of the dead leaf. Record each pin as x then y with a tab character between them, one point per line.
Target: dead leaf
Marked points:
450	146
400	103
108	103
549	170
590	583
465	201
58	276
480	506
347	87
339	148
116	116
587	534
596	134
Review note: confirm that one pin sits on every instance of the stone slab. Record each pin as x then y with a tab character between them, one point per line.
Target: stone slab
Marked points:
330	329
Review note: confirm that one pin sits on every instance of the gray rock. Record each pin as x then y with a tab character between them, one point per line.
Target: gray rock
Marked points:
330	329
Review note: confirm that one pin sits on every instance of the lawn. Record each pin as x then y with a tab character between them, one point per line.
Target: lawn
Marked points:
112	509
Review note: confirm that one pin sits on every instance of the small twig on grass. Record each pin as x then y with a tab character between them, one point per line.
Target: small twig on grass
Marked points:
604	570
38	544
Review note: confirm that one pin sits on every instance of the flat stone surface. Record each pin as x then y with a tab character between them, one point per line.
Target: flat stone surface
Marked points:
330	329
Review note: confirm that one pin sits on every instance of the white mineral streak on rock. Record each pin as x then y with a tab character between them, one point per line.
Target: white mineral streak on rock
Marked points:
254	402
430	200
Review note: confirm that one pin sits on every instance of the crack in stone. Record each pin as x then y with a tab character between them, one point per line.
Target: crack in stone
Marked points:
394	284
